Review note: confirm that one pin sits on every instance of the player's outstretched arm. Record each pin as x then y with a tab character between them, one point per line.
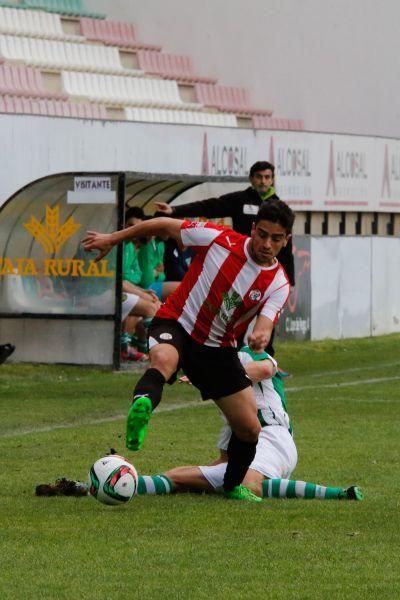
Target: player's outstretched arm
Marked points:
104	242
261	334
260	369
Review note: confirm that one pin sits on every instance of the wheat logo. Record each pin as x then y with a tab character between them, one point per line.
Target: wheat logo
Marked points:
51	236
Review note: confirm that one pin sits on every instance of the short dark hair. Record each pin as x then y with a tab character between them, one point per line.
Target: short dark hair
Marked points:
261	165
276	211
134	212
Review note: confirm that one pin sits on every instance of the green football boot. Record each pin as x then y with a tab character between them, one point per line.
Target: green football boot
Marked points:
351	493
240	492
138	418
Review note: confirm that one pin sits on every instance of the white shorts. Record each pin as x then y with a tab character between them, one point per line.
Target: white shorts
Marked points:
276	455
129	302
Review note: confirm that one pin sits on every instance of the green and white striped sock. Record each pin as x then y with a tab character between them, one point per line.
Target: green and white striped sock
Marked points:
125	340
288	488
154	485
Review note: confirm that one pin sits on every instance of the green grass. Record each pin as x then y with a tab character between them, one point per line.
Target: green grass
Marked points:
56	421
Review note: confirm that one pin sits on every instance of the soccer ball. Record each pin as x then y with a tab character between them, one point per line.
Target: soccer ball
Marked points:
113	480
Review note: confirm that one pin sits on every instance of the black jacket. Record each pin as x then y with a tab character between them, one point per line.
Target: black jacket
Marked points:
242	208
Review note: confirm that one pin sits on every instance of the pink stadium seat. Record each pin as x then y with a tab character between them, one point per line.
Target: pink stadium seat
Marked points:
51	107
227	98
114	33
26	106
9	104
35	107
59	108
169	66
42	107
18	106
24	81
262	122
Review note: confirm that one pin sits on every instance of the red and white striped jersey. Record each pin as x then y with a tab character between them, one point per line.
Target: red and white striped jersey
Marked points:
224	287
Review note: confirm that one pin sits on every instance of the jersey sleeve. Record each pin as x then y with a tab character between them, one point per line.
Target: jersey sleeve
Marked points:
277	299
199	234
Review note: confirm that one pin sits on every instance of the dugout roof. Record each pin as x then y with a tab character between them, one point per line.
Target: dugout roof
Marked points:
44	272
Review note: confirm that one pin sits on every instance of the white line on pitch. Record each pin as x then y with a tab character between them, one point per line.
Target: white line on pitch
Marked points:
341	384
111	419
355	370
174	407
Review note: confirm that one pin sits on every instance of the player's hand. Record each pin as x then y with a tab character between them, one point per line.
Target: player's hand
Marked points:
164	208
98	241
152	294
184	379
258	340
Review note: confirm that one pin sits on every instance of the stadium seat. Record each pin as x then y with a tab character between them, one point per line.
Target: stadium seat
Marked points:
114	33
125	91
51	107
227	98
71	8
185	117
262	122
62	55
33	23
24	81
169	66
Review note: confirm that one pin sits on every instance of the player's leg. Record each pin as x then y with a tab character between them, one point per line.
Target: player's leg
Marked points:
254	481
276	456
147	394
241	412
145	308
184	479
189	479
274	462
165	341
218	374
289	488
155	485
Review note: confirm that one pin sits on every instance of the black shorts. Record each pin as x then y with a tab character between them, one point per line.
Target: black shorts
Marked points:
216	372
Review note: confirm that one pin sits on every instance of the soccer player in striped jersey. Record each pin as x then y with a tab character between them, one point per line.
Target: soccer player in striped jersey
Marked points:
232	279
276	455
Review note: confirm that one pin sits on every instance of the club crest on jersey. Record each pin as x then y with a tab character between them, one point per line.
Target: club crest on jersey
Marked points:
255	295
229	304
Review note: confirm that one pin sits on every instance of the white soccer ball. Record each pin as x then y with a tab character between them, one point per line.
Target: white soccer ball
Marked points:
113	480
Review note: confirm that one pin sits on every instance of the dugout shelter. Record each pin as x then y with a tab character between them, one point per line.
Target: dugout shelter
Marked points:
56	304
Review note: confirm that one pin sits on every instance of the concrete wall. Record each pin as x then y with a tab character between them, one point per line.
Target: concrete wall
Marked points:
355	288
333	63
314	172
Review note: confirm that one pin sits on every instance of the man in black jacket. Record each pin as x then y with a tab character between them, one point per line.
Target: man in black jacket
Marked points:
242	207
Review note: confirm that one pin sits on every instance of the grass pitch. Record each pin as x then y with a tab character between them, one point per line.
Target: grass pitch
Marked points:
56	421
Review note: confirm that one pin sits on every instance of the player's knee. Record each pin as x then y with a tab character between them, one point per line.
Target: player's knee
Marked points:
152	308
249	432
164	363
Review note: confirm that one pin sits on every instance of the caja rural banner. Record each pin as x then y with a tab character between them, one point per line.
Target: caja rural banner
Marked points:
43	268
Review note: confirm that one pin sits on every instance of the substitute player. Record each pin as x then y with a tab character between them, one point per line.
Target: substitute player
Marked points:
232	279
